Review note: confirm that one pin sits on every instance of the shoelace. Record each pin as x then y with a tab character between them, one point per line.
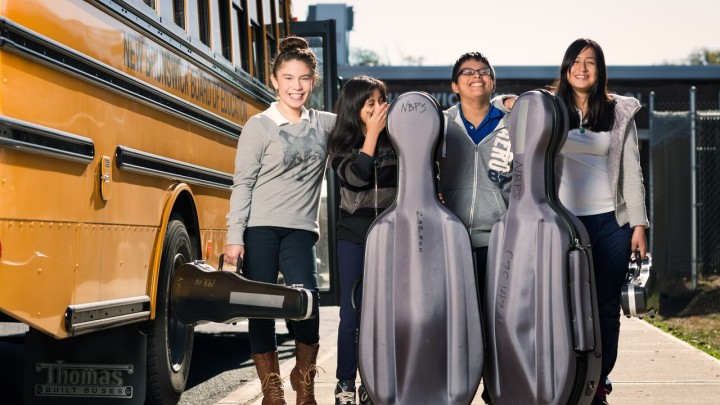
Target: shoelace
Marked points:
364	397
308	378
273	386
345	397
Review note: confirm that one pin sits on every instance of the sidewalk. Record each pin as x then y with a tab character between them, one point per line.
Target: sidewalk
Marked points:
653	367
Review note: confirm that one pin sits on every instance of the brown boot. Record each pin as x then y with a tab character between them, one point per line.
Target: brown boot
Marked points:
268	370
302	377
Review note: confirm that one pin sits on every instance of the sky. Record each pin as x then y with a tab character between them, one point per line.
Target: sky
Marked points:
530	32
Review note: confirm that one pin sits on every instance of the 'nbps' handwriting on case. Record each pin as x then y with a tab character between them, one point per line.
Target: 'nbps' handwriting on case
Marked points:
417	107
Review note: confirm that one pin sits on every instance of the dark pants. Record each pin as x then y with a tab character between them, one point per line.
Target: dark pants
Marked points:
610	246
351	257
268	251
480	256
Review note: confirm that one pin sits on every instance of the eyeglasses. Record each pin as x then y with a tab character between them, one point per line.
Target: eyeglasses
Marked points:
471	72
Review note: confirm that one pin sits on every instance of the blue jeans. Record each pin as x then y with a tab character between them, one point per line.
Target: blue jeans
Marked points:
351	259
268	251
610	246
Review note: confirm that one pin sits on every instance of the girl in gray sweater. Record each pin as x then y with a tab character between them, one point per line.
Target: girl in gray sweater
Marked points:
273	220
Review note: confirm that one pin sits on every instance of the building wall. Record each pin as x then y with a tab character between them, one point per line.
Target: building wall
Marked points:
671	84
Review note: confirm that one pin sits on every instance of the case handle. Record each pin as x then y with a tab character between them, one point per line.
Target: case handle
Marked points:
238	268
637	259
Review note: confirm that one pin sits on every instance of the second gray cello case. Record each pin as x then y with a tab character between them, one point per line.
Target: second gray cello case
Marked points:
420	339
542	330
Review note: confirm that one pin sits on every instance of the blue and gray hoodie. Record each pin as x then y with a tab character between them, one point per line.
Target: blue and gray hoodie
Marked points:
475	179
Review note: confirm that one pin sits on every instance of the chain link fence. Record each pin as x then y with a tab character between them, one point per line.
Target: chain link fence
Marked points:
708	166
685	192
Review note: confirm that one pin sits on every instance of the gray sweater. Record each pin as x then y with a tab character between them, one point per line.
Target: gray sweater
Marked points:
279	168
626	180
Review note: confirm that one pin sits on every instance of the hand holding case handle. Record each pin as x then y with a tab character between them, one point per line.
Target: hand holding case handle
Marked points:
640	296
238	266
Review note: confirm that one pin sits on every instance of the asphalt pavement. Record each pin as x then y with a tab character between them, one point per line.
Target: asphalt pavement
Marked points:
653	367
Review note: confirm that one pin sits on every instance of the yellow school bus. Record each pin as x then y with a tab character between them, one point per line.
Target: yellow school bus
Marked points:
119	121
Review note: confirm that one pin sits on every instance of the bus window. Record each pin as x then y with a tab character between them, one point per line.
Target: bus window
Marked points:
283	14
270	21
322	40
150	3
225	32
178	12
203	21
257	45
318	99
241	54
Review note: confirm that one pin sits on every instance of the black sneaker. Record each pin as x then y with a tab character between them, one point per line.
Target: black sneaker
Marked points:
363	396
345	393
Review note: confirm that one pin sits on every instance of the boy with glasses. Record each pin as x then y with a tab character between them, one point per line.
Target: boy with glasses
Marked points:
475	159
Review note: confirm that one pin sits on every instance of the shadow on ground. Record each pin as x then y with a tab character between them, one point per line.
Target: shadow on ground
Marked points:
215	353
11	369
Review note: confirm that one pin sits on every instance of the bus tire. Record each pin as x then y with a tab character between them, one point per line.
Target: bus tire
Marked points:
170	341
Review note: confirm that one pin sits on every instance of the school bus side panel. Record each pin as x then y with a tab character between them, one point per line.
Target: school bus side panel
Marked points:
62	242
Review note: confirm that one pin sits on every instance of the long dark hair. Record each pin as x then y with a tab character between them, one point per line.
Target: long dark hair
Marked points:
347	133
600	114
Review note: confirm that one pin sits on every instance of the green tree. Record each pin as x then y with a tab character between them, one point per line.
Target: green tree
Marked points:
413	60
704	56
364	57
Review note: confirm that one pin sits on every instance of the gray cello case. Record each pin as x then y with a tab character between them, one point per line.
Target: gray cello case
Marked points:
420	338
541	329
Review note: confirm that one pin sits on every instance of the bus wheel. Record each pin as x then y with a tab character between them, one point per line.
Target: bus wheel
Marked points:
170	341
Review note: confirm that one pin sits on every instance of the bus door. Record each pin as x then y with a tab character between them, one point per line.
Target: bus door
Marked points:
322	40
